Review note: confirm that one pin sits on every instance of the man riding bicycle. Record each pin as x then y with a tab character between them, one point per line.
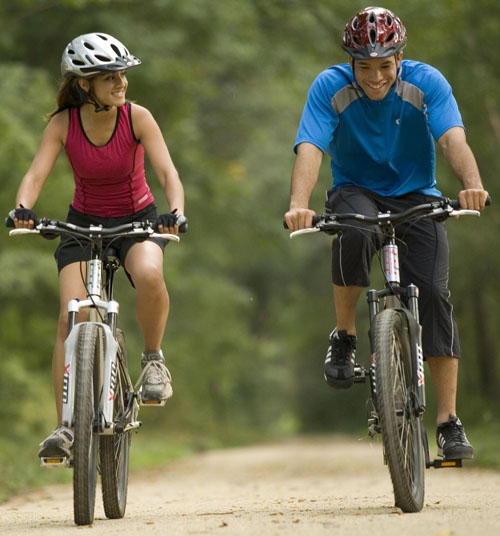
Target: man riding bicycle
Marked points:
377	117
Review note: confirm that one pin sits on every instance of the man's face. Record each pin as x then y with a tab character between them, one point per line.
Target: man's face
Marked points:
376	76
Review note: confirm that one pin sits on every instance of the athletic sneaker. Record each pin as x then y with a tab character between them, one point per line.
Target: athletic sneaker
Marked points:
340	360
58	444
155	378
452	441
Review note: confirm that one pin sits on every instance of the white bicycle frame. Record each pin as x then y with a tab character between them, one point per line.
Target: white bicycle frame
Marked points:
94	292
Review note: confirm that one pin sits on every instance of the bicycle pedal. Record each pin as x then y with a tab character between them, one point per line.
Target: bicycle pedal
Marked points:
154	403
444	463
150	403
359	374
56	461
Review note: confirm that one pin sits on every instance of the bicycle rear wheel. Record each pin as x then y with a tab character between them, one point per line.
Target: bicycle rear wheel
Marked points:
400	424
114	449
85	448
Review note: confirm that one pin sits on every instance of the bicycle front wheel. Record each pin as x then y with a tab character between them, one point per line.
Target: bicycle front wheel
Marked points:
85	448
399	422
114	449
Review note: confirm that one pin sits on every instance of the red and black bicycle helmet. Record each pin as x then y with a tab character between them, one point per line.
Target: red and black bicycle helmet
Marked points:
374	32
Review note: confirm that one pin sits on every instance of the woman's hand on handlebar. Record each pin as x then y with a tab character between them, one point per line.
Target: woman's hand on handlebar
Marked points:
171	223
472	198
299	218
23	218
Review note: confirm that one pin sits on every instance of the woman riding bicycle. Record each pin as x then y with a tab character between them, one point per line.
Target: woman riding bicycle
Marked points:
105	138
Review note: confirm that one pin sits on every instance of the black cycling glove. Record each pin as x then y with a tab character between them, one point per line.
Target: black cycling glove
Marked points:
21	213
171	219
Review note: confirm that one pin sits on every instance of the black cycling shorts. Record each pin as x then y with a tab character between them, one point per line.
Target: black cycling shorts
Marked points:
423	259
70	251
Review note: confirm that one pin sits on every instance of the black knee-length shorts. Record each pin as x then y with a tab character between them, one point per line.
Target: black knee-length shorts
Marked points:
423	252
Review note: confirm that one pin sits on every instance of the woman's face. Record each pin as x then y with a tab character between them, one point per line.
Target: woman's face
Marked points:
109	89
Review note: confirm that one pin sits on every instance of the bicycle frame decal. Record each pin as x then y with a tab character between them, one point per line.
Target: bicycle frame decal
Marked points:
420	366
110	350
66	382
111	390
391	263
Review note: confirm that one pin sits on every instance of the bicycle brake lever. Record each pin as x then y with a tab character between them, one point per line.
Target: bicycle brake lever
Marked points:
308	230
465	212
166	236
21	230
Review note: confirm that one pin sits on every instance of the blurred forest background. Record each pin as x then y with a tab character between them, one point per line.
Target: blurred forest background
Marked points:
250	309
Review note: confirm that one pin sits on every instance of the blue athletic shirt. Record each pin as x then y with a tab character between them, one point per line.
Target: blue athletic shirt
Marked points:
386	146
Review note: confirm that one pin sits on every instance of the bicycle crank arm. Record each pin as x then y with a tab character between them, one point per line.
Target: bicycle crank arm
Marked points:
132	426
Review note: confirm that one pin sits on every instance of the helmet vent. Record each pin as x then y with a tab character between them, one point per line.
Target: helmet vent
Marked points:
89	59
371	18
355	23
117	50
373	36
88	45
389	20
102	58
357	41
79	63
390	37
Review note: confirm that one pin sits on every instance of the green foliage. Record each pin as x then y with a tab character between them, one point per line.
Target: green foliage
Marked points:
250	310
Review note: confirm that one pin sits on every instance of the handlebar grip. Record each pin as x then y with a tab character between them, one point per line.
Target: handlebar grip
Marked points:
455	203
315	220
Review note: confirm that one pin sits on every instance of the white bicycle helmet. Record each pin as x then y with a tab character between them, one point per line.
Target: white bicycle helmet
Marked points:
94	53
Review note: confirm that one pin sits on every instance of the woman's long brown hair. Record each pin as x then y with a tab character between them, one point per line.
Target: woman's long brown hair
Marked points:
69	95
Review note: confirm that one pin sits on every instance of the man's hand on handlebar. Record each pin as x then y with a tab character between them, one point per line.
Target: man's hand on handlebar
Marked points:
299	218
472	198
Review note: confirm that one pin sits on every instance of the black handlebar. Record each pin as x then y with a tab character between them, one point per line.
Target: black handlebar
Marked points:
445	204
52	227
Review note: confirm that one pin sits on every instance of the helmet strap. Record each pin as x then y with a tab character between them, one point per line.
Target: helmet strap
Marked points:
97	107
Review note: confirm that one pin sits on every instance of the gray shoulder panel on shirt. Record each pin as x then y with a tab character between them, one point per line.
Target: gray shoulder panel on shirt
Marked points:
410	93
344	97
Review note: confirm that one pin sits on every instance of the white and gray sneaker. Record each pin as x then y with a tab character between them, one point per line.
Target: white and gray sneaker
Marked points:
155	378
58	444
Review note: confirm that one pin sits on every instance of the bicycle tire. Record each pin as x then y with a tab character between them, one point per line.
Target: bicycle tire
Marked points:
85	448
400	424
114	449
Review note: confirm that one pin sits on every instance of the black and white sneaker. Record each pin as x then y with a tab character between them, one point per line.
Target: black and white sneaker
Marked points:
452	441
340	360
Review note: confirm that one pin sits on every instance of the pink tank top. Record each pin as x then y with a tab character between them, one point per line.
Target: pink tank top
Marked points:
109	179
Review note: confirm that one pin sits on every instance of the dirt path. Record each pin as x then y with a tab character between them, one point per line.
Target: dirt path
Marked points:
304	487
